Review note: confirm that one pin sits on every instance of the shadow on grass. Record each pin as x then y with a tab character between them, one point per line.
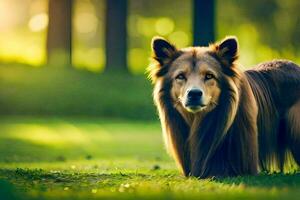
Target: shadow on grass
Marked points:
8	191
65	176
17	151
28	179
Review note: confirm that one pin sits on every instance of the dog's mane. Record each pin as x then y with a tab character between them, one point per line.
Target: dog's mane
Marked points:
175	129
200	143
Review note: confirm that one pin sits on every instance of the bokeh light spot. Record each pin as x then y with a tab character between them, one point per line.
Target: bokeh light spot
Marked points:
38	22
138	60
164	26
145	26
86	23
180	38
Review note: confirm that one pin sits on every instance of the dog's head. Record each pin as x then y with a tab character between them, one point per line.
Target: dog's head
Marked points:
194	74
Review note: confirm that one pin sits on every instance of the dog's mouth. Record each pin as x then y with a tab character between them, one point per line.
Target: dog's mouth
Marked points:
193	105
194	108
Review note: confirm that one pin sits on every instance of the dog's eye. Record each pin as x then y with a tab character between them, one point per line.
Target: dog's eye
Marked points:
180	77
209	76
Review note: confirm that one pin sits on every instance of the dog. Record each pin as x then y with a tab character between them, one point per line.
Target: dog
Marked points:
219	121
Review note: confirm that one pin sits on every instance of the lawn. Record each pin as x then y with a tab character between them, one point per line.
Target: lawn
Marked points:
65	91
80	158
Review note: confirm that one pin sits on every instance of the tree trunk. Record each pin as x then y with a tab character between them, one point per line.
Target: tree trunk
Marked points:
203	22
59	38
116	35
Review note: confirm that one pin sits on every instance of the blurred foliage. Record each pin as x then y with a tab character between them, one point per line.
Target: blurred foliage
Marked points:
267	29
88	34
150	18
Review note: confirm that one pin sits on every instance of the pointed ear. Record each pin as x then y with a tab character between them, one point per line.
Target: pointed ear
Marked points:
162	49
227	50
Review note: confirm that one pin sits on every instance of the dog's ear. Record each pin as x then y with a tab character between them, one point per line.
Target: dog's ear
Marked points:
163	50
227	50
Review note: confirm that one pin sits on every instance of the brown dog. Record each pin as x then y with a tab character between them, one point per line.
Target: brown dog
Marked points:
220	121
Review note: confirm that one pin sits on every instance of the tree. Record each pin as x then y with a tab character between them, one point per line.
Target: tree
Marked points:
59	38
116	35
203	22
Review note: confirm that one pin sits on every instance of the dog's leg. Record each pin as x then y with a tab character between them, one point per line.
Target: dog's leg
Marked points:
293	123
176	132
281	144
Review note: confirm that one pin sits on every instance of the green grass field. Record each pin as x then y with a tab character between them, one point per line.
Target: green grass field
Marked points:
65	91
47	158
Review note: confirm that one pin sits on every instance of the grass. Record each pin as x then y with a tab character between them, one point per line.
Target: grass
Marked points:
66	91
65	158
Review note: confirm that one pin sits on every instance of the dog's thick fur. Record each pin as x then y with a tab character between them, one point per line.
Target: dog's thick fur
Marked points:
254	124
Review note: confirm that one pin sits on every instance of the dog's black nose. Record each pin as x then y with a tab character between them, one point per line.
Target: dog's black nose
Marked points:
195	94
